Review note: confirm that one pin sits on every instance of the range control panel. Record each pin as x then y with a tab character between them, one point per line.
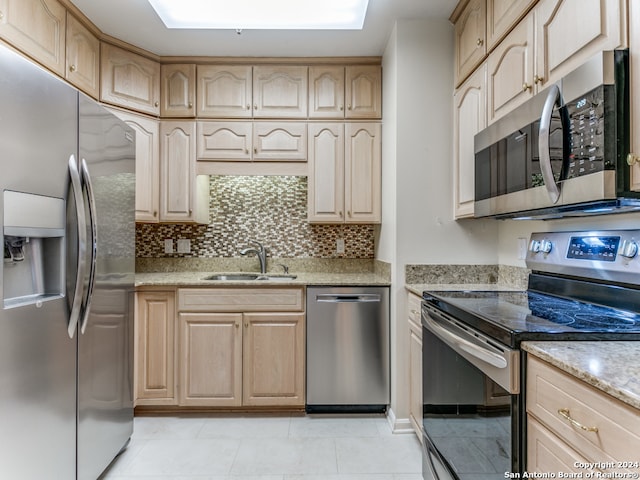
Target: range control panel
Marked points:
609	255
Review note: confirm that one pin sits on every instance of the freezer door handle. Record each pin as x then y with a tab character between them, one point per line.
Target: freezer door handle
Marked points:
348	298
91	202
76	305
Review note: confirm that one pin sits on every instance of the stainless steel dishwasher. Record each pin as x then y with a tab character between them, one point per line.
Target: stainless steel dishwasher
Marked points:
347	349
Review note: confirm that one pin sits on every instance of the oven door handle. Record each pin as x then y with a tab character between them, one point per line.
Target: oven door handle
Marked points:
478	351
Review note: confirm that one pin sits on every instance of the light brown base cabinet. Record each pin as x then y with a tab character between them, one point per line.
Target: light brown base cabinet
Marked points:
241	347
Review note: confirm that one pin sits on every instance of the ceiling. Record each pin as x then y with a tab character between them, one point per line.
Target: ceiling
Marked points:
135	22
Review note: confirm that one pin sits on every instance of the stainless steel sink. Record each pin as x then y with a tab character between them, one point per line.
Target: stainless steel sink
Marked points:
248	276
233	276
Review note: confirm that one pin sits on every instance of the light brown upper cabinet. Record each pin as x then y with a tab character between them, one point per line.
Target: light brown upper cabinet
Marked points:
178	90
363	91
36	27
344	173
326	92
147	165
510	71
502	15
83	58
569	32
280	91
634	66
470	38
469	117
353	92
184	196
225	91
252	141
129	80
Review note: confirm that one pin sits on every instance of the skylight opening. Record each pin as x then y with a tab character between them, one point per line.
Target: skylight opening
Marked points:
262	14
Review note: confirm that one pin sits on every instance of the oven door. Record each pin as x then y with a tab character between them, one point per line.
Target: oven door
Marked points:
471	411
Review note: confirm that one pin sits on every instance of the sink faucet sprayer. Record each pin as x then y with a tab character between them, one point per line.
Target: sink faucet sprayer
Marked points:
260	251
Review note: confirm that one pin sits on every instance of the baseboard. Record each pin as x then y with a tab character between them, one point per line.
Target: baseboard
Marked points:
399	425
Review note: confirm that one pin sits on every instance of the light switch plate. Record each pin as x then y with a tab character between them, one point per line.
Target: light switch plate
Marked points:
340	245
184	245
168	245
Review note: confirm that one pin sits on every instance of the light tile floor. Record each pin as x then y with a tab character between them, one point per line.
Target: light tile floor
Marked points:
279	447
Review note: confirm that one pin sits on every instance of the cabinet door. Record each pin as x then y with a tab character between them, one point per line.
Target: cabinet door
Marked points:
224	91
37	27
325	200
211	359
83	58
177	171
155	314
469	117
178	90
634	66
273	363
147	165
510	71
502	15
280	91
415	378
326	92
470	39
129	80
569	32
225	140
363	172
364	91
280	141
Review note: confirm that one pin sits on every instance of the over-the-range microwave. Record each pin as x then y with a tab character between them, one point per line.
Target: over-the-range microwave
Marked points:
564	151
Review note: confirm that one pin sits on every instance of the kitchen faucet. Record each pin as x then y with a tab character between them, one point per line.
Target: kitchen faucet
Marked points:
260	251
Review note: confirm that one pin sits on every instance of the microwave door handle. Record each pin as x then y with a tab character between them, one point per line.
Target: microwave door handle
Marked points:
553	99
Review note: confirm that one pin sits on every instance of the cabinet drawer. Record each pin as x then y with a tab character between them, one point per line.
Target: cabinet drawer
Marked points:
414	304
551	392
241	299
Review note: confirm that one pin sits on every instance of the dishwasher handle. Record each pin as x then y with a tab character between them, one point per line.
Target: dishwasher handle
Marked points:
348	298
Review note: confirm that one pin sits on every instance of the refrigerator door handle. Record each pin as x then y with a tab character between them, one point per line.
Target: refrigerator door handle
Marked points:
76	306
91	201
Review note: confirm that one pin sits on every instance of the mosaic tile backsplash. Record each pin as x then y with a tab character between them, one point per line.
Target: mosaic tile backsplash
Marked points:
269	209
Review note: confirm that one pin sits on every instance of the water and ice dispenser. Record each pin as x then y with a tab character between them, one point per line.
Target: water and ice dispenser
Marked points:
33	234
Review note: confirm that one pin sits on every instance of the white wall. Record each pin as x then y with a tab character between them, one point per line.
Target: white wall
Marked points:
417	213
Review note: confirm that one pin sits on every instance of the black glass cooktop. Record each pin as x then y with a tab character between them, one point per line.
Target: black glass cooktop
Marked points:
512	317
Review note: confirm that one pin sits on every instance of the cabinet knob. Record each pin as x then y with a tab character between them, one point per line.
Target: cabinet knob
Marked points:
537	79
237	325
190	105
246	325
155	213
632	159
72	68
248	106
246	150
190	211
525	87
255	107
156	104
341	107
349	213
340	213
479	42
349	106
1	15
255	150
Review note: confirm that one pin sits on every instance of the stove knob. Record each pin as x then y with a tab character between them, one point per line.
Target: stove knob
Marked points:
534	246
629	249
546	246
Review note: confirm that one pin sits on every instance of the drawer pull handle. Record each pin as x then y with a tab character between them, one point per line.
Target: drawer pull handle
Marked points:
564	413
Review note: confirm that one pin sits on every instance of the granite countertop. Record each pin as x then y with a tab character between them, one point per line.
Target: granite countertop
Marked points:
196	278
418	288
612	367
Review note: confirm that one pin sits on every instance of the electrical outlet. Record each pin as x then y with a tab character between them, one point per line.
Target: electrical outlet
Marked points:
184	245
168	245
340	245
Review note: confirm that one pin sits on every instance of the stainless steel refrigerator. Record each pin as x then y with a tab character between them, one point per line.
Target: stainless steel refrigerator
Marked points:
67	190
